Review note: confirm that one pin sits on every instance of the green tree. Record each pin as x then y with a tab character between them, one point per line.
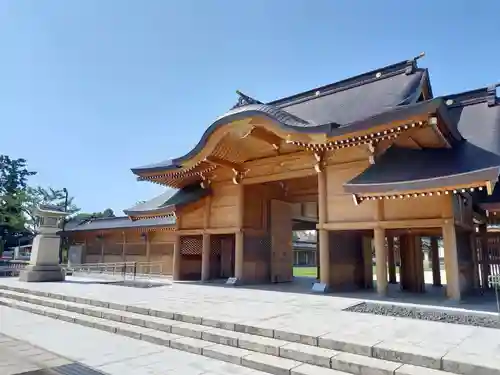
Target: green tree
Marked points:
14	176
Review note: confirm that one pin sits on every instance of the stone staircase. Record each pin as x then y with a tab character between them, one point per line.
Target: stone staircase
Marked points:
267	350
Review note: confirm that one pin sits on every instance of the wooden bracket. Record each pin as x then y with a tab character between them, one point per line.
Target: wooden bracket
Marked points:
373	149
356	199
489	187
205	181
238	176
265	136
320	162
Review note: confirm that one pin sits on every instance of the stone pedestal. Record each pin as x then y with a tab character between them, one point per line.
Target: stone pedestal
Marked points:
44	260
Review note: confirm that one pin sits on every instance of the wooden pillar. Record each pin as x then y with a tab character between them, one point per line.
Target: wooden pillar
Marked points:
176	261
238	236
85	249
485	265
368	261
205	258
475	263
148	248
124	247
318	264
381	260
390	260
101	240
451	261
324	247
436	264
411	274
205	251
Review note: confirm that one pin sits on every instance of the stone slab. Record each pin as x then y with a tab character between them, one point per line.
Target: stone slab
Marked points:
270	364
472	363
190	345
351	343
308	354
410	353
319	288
260	344
306	369
33	275
189	330
225	353
222	336
361	365
417	370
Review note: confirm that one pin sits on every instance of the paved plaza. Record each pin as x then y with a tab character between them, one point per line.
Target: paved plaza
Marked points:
106	352
19	357
302	314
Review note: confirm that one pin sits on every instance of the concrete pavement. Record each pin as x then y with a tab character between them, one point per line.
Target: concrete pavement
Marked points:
301	314
106	352
17	356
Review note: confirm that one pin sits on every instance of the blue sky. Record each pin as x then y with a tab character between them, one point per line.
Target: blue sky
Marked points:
91	88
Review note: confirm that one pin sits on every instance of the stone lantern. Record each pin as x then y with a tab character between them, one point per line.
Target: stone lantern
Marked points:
44	260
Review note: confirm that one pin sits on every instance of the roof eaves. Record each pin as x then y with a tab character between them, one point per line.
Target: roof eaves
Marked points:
396	114
450	181
278	116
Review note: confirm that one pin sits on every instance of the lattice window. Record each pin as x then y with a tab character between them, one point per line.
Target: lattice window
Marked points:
215	245
191	245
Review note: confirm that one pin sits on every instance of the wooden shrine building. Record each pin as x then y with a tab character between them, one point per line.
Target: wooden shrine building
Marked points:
377	156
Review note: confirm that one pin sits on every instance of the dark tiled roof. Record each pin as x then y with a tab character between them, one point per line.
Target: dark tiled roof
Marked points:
474	115
122	222
328	109
347	105
168	201
477	117
401	169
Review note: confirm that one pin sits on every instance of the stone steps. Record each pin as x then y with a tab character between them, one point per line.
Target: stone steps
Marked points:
272	355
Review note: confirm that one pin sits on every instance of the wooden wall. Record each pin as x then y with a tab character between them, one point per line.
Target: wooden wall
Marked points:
112	244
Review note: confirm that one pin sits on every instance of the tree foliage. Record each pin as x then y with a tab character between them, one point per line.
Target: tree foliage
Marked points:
14	176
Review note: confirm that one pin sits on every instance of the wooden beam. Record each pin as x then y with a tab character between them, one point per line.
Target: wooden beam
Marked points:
279	176
223	163
265	136
385	224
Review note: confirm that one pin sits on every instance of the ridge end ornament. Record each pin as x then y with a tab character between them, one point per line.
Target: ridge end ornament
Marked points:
244	100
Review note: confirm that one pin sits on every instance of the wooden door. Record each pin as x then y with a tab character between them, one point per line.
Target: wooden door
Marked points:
281	242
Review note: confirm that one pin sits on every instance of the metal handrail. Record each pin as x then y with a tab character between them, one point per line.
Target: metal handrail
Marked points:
124	270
